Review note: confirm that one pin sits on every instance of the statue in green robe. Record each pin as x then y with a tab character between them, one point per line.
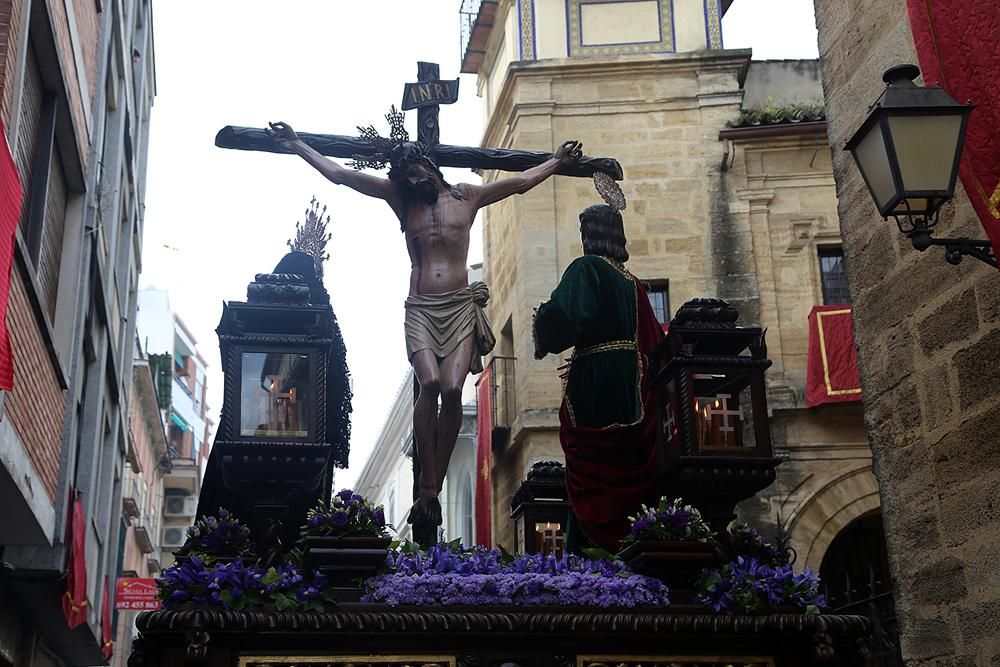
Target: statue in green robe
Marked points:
607	416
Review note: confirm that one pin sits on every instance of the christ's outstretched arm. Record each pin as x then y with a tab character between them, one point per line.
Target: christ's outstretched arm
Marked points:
490	193
366	184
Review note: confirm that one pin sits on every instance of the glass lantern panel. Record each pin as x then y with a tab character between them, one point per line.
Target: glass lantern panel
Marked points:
274	396
873	161
723	415
671	424
912	205
925	148
549	538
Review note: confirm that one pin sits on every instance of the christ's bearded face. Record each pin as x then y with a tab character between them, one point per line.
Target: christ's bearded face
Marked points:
423	182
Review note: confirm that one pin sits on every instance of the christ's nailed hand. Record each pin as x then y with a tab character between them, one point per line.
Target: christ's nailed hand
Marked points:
282	134
569	152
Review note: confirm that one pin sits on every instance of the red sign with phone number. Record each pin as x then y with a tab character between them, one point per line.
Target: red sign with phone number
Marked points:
134	594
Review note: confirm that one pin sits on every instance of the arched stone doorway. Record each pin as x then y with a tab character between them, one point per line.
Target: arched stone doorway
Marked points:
856	580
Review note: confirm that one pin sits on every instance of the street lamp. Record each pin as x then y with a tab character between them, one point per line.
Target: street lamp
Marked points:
908	150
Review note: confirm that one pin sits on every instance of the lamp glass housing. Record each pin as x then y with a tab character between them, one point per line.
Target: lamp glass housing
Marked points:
909	146
275	395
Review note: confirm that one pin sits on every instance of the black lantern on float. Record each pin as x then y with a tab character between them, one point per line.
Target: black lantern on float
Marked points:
286	408
539	509
908	150
712	403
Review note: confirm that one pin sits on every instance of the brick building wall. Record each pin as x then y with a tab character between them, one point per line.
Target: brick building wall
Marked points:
928	339
10	19
35	406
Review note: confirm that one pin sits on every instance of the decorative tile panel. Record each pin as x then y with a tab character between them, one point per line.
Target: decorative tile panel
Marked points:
577	39
526	23
713	24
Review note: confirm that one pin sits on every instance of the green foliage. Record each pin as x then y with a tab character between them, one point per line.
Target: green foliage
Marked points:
775	114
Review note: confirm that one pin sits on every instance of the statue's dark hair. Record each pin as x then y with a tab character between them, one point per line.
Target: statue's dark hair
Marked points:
413	152
603	232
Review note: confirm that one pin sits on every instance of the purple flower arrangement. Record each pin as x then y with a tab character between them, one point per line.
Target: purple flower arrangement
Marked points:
236	586
668	520
746	586
347	515
213	537
455	575
744	541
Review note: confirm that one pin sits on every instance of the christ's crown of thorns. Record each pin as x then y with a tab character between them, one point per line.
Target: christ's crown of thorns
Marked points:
606	186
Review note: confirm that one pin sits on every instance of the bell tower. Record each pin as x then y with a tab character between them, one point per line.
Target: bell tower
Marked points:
646	82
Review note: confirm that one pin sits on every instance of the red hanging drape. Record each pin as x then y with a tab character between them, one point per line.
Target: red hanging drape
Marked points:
74	601
956	42
107	632
10	213
484	458
832	375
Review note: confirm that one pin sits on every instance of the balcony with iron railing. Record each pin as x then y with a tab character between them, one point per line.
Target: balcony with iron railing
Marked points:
143	535
475	22
502	409
131	494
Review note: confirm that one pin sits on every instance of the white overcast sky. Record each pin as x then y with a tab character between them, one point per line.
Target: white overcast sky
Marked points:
216	217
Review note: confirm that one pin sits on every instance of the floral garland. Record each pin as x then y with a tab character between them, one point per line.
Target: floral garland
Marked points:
455	575
236	586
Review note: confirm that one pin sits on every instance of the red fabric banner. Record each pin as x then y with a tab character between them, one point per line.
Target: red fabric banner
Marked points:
956	43
10	213
484	458
74	601
832	376
107	632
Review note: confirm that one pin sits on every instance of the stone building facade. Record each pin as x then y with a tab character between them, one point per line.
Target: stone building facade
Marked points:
928	339
720	203
76	90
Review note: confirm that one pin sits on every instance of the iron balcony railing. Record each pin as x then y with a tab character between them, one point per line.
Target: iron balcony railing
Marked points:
475	22
502	408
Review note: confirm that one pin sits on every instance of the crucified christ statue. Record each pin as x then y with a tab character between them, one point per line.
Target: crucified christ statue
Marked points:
446	329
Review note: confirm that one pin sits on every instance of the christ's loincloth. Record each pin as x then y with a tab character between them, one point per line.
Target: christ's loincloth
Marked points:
439	322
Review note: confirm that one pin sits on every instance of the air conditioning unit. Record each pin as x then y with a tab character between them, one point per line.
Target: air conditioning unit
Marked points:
174	537
180	506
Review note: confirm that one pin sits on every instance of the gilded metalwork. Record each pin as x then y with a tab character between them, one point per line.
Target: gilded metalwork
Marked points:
610	191
311	236
347	661
610	346
576	47
713	24
673	661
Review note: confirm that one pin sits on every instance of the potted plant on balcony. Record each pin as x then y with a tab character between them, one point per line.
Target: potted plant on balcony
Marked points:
671	542
346	540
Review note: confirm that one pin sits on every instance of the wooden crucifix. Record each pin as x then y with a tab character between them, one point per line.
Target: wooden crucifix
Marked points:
446	328
427	99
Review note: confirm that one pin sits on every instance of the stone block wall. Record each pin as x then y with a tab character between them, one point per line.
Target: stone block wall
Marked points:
659	116
928	338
